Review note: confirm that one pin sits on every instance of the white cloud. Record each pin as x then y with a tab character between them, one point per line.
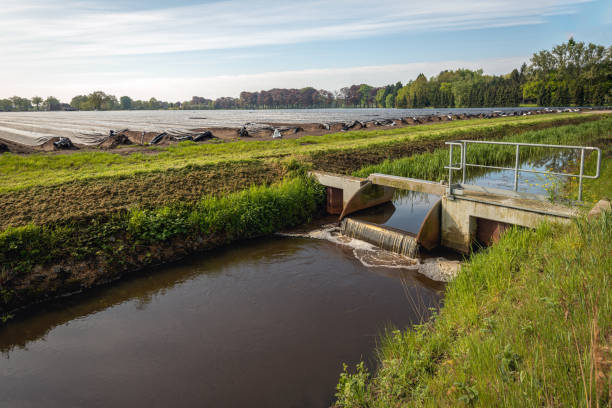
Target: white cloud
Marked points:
75	29
65	47
230	85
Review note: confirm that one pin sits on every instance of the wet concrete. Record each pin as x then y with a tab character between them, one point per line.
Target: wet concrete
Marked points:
265	323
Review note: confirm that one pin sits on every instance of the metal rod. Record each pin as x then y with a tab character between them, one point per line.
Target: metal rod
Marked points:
463	160
581	174
450	170
516	168
528	144
532	171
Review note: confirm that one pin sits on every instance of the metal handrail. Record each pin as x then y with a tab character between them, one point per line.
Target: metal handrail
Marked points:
463	165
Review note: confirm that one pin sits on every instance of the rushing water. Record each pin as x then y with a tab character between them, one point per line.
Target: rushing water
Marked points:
33	128
265	323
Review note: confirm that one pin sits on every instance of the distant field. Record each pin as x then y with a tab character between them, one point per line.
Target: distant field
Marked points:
17	172
43	188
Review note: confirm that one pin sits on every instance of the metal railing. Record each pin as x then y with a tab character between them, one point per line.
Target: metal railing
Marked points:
463	165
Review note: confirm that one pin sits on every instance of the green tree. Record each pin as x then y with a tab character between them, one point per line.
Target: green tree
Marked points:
126	102
37	100
52	104
390	101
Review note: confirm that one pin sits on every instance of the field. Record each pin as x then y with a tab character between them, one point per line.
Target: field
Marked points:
44	188
526	323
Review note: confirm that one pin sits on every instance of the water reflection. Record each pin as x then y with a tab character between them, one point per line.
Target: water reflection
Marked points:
264	323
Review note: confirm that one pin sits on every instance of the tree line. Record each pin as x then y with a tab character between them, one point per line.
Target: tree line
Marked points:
573	73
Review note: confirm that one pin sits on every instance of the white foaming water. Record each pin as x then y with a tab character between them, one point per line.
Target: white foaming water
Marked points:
438	269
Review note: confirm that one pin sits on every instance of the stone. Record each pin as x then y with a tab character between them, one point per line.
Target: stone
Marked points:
243	132
601	206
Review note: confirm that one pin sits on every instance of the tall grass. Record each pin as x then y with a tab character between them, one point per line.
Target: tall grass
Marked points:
526	323
430	166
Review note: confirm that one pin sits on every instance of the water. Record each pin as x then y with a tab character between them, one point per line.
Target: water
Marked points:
263	323
406	212
34	128
533	183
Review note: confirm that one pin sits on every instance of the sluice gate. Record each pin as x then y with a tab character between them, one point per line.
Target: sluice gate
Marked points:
463	214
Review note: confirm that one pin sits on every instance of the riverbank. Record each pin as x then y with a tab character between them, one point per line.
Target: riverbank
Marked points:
528	322
63	255
43	262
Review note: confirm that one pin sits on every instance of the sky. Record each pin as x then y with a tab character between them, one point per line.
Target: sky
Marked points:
173	50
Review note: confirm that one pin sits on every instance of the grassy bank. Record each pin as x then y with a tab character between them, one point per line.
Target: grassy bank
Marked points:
528	321
430	166
98	232
37	262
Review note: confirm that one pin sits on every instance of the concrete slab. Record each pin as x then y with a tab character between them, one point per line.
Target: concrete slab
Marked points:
406	183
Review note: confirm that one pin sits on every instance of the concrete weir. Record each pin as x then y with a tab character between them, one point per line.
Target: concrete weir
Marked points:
464	214
393	240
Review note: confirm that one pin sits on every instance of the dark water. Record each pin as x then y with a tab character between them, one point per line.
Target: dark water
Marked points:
267	323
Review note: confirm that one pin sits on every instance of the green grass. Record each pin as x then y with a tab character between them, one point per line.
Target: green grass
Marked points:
527	322
430	166
18	172
112	242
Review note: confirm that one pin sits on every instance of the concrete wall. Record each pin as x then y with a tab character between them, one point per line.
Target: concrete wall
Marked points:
459	220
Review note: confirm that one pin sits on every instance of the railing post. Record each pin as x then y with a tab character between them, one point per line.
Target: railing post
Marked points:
463	161
516	168
450	170
581	174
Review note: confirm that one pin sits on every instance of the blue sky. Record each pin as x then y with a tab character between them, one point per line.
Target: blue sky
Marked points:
174	50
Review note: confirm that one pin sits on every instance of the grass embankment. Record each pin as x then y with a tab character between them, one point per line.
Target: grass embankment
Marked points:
528	321
50	188
38	262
